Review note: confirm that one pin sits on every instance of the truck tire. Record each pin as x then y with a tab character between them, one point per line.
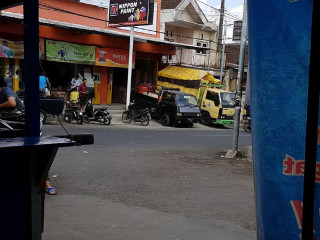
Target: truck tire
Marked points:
206	118
247	127
165	120
43	115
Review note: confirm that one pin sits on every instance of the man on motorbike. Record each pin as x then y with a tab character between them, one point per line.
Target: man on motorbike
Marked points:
8	98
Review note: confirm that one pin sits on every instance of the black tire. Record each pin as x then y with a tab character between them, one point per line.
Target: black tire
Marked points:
66	117
206	118
247	127
106	121
165	120
86	119
144	120
126	118
80	121
43	115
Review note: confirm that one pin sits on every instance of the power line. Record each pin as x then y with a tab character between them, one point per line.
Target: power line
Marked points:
53	8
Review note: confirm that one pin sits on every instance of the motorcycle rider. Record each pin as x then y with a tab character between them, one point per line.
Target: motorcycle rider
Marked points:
8	98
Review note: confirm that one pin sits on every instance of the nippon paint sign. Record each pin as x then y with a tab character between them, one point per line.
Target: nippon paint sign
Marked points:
130	12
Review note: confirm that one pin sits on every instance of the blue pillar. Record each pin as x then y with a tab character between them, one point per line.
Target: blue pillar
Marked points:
31	67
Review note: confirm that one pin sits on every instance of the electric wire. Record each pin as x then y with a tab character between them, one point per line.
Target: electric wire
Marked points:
53	8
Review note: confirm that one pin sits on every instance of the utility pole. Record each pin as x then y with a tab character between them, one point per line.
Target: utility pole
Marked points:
130	66
244	33
223	48
221	26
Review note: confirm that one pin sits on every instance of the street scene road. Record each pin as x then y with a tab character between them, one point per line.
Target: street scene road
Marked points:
150	182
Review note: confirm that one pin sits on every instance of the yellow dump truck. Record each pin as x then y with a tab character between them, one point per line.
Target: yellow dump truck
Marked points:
217	105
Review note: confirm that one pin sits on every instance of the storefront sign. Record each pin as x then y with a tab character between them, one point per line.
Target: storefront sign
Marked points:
10	49
237	27
129	13
69	52
111	57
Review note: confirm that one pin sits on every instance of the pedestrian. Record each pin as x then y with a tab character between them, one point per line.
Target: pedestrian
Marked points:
75	83
82	89
43	84
49	189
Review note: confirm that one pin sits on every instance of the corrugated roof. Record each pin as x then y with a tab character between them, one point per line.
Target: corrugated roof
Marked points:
176	72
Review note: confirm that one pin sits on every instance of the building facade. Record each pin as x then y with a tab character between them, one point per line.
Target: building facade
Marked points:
75	39
184	22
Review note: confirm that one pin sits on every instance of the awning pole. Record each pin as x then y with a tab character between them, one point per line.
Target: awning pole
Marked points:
312	127
130	66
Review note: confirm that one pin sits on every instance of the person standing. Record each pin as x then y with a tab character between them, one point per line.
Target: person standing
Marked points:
75	83
82	89
43	84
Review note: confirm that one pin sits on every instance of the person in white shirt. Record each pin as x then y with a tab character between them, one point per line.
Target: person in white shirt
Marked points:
75	82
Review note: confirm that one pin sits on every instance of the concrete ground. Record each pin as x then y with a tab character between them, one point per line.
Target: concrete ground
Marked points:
124	187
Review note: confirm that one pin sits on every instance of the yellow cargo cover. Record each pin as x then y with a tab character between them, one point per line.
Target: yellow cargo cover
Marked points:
187	79
176	72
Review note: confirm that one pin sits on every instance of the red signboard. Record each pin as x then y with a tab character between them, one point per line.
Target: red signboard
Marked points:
111	57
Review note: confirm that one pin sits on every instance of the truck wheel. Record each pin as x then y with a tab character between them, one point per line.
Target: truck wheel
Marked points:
43	115
165	120
206	118
247	127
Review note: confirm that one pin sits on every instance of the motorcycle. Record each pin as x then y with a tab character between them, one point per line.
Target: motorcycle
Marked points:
13	114
136	114
73	112
16	114
100	115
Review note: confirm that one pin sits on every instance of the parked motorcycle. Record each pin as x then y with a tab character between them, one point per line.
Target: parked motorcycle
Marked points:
73	112
16	114
100	115
136	114
13	114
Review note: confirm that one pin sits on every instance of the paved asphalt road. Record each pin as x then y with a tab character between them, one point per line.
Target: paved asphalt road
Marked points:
150	182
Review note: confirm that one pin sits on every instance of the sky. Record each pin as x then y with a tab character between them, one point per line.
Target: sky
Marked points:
234	9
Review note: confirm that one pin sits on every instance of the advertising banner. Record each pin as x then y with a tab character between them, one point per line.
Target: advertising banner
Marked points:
111	57
279	48
129	13
69	52
11	49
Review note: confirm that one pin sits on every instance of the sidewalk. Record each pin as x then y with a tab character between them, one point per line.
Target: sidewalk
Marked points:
116	110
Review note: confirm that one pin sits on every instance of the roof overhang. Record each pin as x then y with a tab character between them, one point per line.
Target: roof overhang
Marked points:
108	32
9	3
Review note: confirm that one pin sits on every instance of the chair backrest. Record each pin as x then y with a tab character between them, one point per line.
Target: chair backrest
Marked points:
74	97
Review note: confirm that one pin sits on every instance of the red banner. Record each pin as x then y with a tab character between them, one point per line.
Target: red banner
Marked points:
111	57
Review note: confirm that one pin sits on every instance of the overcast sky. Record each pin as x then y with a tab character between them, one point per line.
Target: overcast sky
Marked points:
234	9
